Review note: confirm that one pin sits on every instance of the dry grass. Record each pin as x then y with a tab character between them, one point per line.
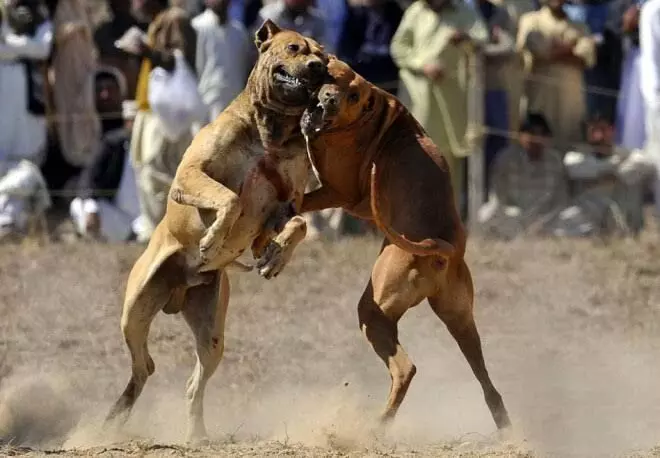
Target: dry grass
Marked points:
570	330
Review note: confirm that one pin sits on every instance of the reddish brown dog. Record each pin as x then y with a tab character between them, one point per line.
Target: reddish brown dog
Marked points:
375	161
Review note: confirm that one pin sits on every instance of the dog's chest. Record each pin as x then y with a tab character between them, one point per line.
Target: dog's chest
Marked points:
270	178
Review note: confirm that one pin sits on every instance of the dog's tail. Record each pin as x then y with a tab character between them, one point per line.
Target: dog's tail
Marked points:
427	247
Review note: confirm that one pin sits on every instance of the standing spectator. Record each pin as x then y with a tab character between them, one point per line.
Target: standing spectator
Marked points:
246	11
155	157
112	30
630	127
602	80
560	50
73	69
516	8
649	42
529	184
607	184
333	13
26	36
365	37
298	15
223	50
498	54
25	43
517	68
98	210
432	48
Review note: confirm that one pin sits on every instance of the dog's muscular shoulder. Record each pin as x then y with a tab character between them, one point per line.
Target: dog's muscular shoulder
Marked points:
363	125
266	114
239	168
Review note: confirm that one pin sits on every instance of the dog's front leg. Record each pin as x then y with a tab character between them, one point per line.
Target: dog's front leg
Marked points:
195	188
279	250
273	226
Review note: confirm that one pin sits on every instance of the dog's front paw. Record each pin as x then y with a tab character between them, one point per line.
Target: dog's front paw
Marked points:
210	246
273	260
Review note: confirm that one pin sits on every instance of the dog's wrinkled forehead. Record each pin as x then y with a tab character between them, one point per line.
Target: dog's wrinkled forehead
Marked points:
342	74
286	43
288	39
344	77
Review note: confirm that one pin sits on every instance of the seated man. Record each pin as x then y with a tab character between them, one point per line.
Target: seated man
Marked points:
23	196
608	185
107	202
528	184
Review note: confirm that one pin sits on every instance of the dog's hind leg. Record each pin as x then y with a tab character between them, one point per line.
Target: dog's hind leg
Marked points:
205	311
391	291
136	319
453	305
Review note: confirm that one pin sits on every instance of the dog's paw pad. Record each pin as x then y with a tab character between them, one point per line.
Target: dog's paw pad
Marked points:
270	264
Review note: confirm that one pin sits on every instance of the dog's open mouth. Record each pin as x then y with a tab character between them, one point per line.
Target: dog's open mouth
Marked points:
287	80
314	120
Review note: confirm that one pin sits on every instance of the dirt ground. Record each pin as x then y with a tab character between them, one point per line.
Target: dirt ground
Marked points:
571	333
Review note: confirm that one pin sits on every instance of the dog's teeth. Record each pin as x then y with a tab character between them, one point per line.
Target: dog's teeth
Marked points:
288	79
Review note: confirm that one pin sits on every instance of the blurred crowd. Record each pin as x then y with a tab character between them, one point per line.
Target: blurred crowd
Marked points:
562	99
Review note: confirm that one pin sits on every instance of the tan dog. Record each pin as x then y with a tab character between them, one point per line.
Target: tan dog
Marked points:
374	160
233	188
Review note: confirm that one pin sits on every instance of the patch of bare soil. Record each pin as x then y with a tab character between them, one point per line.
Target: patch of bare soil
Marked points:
569	328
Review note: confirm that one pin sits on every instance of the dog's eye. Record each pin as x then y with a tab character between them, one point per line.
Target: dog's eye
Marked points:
353	97
293	47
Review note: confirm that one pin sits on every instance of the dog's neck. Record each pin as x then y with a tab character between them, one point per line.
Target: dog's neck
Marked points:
276	123
361	136
357	144
276	131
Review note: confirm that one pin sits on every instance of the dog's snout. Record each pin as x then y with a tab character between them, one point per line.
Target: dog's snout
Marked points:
317	69
329	100
328	97
315	66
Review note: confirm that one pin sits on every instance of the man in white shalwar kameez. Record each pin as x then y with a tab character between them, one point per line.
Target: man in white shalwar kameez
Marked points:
223	56
649	41
22	118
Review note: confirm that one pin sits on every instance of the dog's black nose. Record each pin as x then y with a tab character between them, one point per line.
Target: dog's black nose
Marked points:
316	66
328	98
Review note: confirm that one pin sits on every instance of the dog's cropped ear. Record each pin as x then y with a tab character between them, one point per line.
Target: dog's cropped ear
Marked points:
265	33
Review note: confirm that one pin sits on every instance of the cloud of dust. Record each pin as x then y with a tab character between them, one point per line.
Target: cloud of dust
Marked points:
36	409
577	394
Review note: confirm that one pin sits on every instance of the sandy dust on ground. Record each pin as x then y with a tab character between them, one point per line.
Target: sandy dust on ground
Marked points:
570	331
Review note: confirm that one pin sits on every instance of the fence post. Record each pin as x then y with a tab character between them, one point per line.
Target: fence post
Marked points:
475	161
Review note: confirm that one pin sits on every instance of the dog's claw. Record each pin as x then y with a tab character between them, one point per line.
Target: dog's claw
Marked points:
272	262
